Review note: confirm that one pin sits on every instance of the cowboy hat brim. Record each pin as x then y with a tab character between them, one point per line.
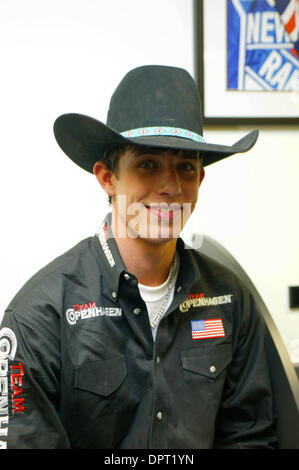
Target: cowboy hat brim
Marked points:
85	140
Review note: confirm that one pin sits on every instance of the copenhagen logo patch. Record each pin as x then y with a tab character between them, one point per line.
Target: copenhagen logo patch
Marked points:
212	328
90	310
198	300
11	382
103	237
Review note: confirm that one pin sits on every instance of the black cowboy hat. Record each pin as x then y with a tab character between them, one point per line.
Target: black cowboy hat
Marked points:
156	106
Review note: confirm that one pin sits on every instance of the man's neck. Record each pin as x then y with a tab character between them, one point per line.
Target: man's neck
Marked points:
149	261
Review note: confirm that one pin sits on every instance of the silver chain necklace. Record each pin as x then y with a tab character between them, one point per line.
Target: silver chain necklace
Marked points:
172	274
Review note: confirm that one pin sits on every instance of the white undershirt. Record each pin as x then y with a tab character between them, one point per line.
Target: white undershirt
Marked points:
153	297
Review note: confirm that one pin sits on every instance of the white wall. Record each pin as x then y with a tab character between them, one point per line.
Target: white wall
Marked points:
67	56
250	204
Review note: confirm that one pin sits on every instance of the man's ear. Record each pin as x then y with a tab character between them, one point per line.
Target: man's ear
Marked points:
201	175
105	177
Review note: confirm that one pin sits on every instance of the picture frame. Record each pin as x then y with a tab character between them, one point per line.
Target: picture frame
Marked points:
216	77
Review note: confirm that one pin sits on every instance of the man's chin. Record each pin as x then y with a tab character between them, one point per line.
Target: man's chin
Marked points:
159	240
158	236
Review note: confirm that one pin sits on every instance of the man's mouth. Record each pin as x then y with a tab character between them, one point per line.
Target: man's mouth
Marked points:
163	211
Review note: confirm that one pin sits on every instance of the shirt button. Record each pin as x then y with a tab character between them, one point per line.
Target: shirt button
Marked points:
113	294
137	311
157	360
159	415
213	369
127	277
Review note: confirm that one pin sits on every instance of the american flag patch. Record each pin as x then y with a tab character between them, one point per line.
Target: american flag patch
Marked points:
207	328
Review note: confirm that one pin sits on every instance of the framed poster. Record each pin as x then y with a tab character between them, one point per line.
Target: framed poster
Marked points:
247	60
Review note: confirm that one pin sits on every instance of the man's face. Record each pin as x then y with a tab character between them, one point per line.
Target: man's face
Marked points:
155	193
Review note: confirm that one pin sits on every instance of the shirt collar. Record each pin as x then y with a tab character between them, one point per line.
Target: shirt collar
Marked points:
114	268
111	262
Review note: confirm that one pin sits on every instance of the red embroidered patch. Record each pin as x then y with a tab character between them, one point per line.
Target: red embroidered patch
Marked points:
199	295
16	381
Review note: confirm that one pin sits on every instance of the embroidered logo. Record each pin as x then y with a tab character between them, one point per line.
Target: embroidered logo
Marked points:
16	378
90	310
8	348
197	301
103	237
212	328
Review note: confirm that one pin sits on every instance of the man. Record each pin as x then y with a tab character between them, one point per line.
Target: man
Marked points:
130	340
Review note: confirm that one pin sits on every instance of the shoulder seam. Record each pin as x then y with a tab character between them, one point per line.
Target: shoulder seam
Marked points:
24	321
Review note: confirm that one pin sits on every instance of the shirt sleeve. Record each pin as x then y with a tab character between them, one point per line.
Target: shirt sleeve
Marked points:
29	387
246	417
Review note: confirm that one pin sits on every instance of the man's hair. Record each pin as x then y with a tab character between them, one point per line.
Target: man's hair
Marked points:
112	156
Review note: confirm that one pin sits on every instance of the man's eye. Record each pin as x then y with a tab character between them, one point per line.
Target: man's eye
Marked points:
147	164
186	166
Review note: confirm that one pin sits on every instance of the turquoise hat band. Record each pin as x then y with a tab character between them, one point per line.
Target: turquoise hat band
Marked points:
162	131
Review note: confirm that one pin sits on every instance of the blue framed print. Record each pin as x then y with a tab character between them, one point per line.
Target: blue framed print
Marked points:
247	60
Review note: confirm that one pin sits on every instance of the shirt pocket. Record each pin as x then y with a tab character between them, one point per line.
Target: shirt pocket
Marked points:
101	377
104	403
204	372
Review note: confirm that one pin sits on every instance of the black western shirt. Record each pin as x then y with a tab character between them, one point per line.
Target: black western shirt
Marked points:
80	368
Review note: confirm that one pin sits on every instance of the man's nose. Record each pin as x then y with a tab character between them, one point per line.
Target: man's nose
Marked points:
170	182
